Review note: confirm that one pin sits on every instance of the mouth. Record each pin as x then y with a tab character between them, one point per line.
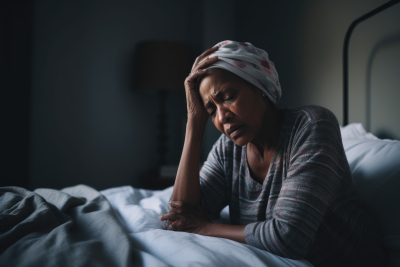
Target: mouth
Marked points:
234	131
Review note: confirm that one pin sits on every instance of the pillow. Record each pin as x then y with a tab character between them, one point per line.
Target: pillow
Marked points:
375	165
356	131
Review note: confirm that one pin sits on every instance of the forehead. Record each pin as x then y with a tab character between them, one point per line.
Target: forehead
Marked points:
215	80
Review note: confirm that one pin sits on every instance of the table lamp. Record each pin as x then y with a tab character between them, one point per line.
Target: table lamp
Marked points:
161	67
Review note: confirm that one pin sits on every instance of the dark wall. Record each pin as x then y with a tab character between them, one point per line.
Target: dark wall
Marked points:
274	27
15	86
90	125
67	77
305	38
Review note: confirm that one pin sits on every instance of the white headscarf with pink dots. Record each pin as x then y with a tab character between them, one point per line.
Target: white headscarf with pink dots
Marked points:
251	64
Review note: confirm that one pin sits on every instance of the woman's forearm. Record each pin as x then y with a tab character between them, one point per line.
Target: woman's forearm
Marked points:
232	232
187	184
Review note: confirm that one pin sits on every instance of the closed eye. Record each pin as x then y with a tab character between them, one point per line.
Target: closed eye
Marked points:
229	97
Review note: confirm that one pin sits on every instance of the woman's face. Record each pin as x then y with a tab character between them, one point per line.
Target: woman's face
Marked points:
235	106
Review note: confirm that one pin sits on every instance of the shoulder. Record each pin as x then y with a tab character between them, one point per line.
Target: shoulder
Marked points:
314	136
312	125
312	115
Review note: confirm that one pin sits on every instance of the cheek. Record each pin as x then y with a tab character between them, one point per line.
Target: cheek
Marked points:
253	115
248	113
258	110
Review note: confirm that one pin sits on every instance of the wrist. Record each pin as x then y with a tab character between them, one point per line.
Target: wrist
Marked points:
206	229
197	119
196	125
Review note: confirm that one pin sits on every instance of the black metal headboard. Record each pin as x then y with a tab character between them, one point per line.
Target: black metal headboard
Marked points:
346	55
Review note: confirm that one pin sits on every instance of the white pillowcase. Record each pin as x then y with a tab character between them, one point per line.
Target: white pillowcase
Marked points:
375	165
374	162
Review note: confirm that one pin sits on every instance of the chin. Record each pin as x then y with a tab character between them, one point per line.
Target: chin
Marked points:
241	141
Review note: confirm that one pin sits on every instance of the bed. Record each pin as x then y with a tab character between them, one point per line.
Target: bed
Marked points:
375	165
79	226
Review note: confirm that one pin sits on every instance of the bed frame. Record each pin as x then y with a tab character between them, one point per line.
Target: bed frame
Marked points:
346	55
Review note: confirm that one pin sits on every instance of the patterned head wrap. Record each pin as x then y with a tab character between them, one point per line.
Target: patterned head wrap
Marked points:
251	64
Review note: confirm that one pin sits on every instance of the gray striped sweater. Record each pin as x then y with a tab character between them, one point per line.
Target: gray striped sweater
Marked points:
307	207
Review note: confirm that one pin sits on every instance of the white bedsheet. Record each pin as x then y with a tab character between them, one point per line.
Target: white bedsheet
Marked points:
139	209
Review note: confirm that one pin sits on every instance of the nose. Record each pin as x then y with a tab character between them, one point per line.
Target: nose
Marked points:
223	114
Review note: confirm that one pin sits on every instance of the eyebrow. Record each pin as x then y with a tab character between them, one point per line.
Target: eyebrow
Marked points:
218	95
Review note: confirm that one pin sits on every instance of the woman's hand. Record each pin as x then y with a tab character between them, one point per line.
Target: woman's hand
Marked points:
195	106
186	218
187	184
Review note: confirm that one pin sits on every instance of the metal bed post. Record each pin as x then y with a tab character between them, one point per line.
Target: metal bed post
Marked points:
346	55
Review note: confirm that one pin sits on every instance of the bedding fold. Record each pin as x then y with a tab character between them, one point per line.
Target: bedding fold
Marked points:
72	227
139	209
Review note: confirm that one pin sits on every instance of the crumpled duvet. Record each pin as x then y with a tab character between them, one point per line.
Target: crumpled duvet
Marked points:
72	227
139	209
79	226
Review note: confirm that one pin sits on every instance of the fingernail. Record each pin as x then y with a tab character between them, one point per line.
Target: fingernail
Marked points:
212	56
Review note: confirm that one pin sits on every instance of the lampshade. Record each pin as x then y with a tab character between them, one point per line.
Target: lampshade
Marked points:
162	65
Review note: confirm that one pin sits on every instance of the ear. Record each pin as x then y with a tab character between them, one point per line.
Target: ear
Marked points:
269	106
267	102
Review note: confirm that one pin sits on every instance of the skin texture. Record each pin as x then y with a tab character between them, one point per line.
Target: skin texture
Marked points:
230	102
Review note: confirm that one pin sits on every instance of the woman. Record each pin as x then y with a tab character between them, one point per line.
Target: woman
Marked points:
283	172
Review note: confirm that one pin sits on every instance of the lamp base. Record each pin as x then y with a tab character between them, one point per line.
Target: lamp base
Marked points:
168	171
162	137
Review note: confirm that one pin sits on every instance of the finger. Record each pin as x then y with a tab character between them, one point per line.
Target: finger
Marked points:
167	223
205	54
164	216
169	216
193	75
209	51
176	205
207	61
178	225
180	206
184	225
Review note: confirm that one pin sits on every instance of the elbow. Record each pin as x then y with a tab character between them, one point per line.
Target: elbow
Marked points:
293	243
296	255
282	239
292	251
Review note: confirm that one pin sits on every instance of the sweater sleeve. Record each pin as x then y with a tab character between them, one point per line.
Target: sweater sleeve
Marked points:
212	182
315	166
